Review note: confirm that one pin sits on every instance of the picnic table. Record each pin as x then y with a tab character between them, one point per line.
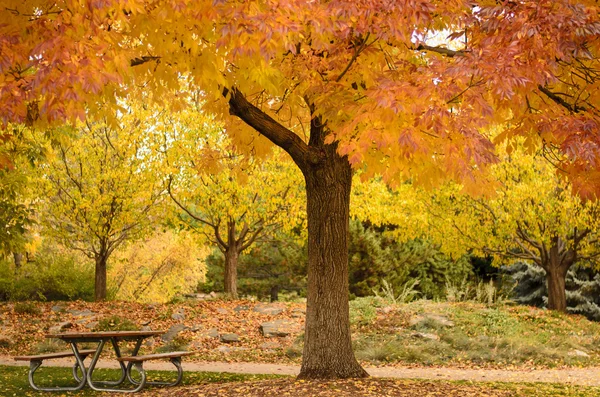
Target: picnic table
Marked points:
126	363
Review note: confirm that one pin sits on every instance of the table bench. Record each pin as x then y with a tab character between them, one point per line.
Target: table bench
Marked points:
138	361
36	361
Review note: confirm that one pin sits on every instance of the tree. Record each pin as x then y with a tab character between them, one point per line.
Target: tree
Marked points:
234	200
532	217
102	189
336	84
17	200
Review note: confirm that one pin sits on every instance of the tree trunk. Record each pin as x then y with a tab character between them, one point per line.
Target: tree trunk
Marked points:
559	261
231	263
327	343
274	293
18	257
557	297
100	279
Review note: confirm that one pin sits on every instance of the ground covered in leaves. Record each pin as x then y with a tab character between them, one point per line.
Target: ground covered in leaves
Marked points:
13	381
377	388
467	335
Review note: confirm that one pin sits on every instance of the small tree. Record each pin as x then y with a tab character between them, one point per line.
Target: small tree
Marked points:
102	189
231	199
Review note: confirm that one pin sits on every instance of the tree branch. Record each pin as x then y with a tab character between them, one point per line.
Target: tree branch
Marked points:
558	100
300	152
440	50
142	60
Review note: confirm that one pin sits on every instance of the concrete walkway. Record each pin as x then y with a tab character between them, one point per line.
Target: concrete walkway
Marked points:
577	376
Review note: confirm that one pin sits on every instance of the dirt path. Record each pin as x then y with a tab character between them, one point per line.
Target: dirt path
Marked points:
576	376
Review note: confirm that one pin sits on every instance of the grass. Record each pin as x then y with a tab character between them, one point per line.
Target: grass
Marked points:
115	323
15	384
499	335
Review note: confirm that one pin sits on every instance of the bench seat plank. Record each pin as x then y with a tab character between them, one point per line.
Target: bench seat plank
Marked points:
83	353
137	359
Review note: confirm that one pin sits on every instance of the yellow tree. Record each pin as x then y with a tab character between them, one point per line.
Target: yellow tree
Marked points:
533	216
102	188
336	84
17	198
234	200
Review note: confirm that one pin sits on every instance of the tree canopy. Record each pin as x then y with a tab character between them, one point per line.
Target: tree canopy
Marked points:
336	84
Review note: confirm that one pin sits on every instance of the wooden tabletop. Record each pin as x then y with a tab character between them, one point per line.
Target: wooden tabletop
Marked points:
105	334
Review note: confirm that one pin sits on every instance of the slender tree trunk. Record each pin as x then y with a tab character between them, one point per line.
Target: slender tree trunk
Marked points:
100	279
231	263
327	343
18	257
274	293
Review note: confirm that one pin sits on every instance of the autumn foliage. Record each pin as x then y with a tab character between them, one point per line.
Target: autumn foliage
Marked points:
401	89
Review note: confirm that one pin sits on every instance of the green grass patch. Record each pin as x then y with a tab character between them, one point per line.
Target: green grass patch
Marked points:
115	323
14	383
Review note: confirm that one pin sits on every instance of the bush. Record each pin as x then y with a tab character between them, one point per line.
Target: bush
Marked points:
54	274
157	269
374	257
27	308
363	311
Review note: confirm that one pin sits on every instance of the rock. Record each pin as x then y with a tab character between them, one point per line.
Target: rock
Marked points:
221	310
179	315
269	309
81	313
82	321
146	322
275	328
425	335
213	294
92	325
60	327
172	332
229	349
146	328
230	338
151	306
213	333
578	353
270	346
149	342
298	312
241	308
438	318
58	309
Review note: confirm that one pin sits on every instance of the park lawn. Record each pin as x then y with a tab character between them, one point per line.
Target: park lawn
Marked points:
14	384
481	336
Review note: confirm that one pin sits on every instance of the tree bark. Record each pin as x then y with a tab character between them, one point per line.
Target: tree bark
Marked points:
559	261
18	257
231	263
100	277
274	293
327	343
557	297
